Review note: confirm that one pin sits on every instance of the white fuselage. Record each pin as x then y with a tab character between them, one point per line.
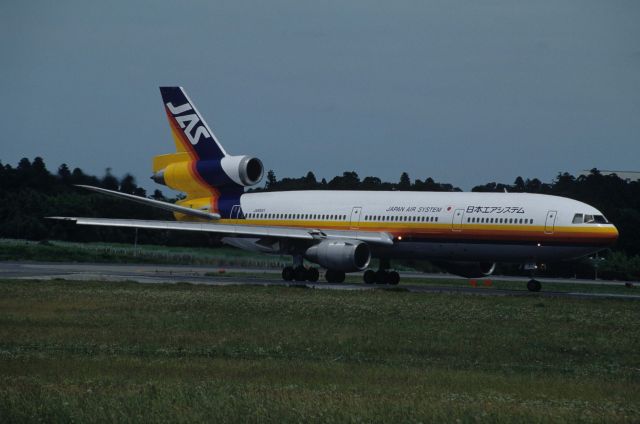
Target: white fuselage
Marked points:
442	225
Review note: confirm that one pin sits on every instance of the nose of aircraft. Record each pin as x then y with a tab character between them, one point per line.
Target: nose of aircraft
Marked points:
614	233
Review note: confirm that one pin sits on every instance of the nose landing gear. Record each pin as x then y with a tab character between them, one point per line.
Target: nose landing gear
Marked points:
533	285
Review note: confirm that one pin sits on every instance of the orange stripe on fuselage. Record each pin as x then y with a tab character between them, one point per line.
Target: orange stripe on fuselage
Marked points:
443	231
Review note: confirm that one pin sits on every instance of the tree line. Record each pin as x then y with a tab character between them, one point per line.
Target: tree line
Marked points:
29	192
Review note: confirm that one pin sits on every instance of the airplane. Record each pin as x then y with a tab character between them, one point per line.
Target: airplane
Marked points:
341	231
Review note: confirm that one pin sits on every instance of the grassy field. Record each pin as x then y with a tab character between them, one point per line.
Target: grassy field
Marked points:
105	352
62	251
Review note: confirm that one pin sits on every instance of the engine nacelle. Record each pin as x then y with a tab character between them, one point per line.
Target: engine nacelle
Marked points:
230	170
468	269
243	170
340	255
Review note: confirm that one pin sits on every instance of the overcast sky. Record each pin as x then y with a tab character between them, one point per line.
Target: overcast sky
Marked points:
463	91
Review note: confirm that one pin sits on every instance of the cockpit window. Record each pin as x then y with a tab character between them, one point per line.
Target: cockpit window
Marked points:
589	219
600	219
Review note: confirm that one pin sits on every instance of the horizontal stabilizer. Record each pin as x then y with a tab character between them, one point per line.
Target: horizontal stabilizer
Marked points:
155	203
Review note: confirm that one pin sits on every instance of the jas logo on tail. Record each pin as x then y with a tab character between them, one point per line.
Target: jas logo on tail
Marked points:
190	121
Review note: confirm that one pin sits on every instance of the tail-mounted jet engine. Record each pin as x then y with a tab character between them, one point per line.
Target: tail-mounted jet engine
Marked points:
230	170
340	255
468	269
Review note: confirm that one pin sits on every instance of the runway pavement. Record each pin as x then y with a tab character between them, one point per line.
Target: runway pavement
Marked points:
151	274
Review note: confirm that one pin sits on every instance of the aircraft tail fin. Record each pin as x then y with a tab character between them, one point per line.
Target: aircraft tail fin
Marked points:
190	132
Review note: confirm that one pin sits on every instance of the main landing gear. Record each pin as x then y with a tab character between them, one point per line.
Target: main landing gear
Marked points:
382	275
298	272
333	276
311	274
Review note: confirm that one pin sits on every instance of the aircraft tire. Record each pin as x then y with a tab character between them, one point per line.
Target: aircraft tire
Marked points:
287	273
340	276
369	276
313	275
534	285
393	278
300	273
381	277
329	276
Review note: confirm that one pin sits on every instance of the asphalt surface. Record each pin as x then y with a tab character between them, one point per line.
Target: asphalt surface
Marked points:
154	274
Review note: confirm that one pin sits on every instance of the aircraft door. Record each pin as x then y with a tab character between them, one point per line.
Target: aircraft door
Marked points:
355	218
550	222
456	224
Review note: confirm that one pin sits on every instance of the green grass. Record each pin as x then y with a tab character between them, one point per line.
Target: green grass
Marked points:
105	352
61	251
481	283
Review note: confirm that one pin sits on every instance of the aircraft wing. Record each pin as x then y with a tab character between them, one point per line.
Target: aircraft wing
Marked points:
238	230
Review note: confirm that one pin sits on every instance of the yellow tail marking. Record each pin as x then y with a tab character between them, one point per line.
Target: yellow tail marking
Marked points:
160	162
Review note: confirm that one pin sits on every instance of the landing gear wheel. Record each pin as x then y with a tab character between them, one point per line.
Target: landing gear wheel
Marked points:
534	285
333	276
300	273
329	276
313	275
287	273
369	276
393	278
381	276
